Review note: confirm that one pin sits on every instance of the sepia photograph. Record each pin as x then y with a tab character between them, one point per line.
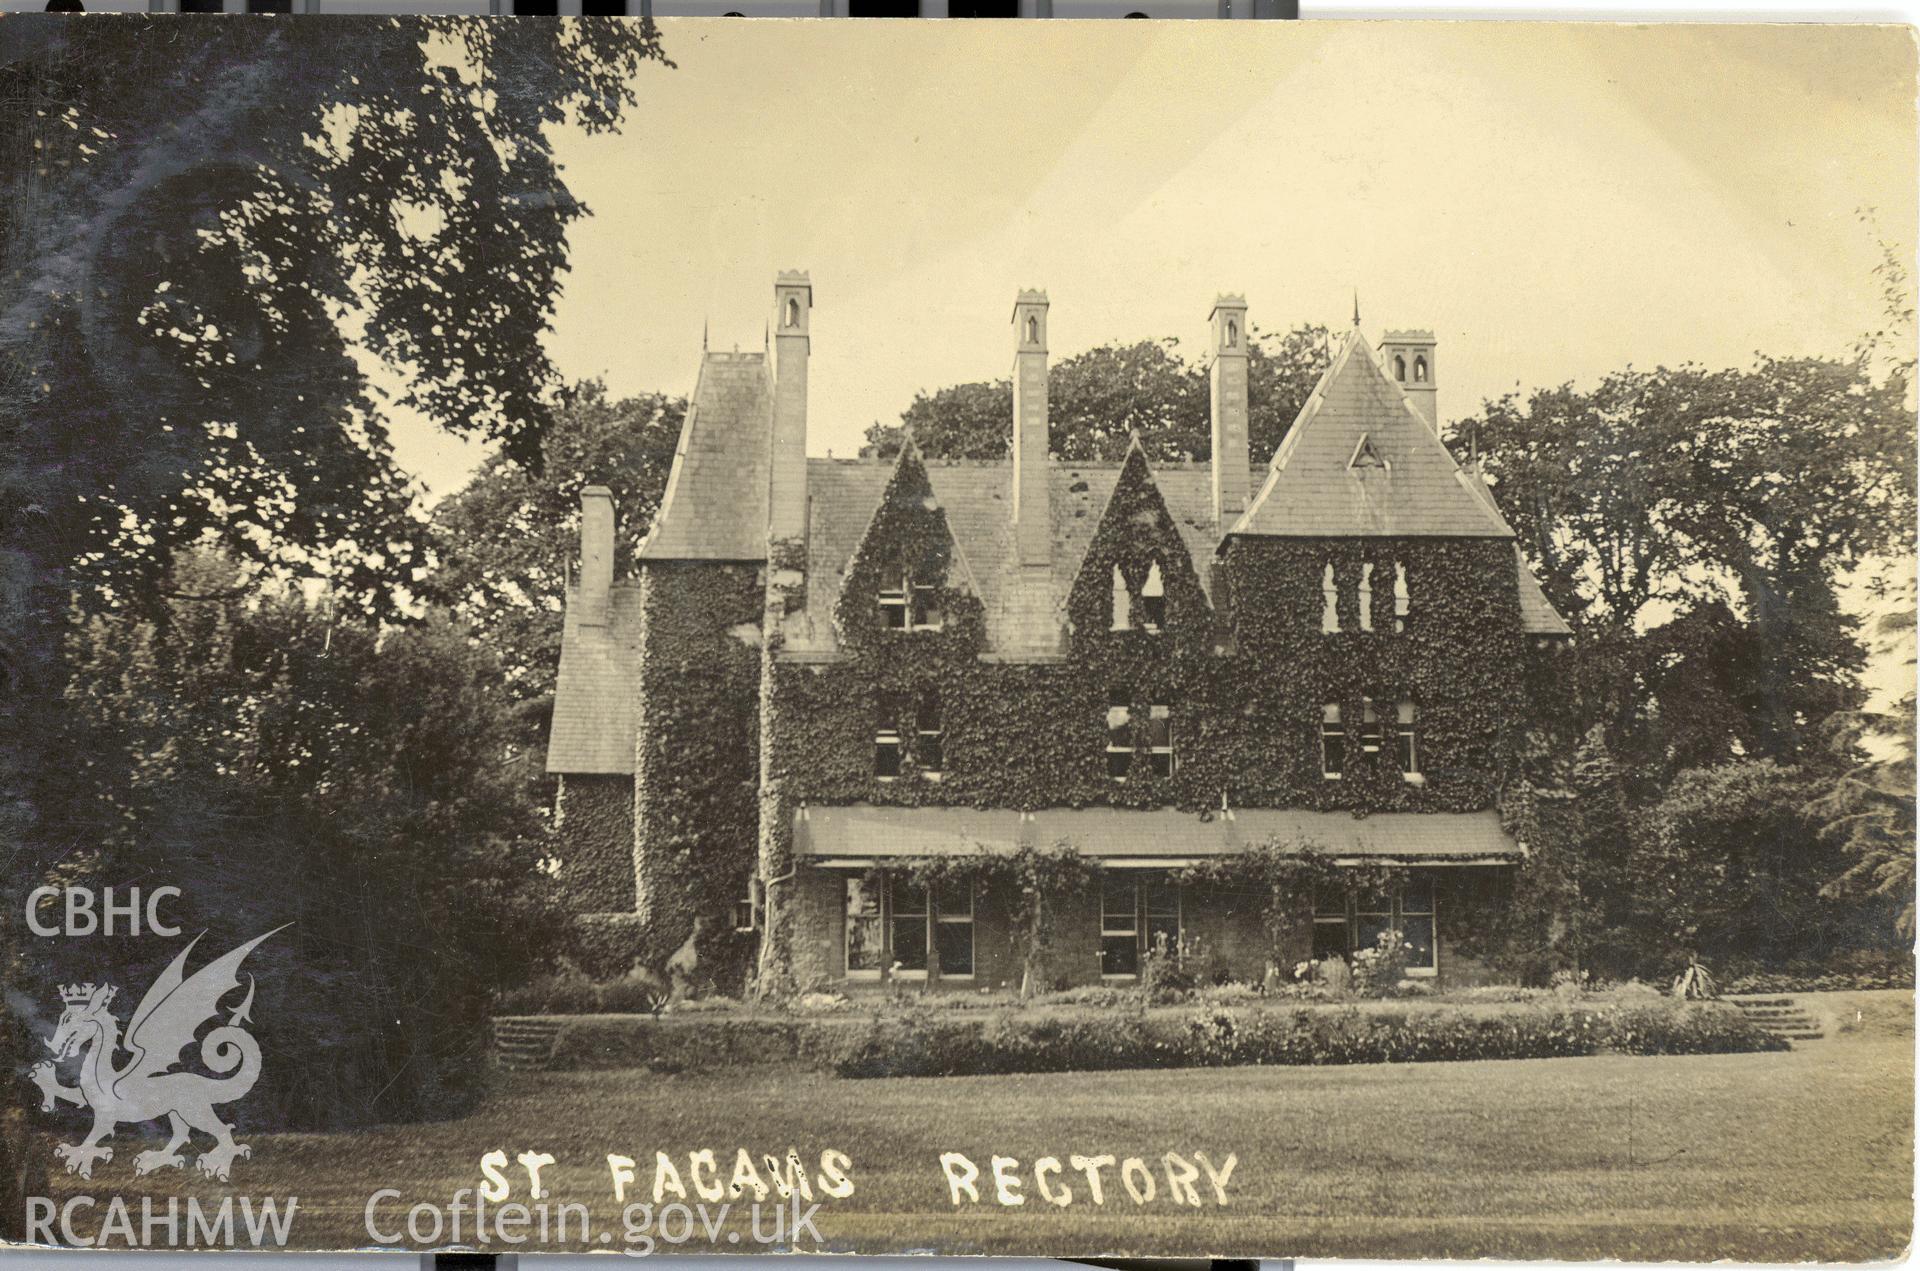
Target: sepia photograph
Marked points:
1082	639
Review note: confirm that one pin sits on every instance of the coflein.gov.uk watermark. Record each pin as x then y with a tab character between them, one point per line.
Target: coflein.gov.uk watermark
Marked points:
467	1219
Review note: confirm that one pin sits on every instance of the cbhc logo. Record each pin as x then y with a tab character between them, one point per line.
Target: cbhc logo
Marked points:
84	914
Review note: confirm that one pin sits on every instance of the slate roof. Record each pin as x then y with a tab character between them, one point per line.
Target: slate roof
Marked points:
715	505
860	832
593	701
1314	489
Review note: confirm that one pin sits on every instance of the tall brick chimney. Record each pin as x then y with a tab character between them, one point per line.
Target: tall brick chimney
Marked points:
1228	380
1408	357
787	498
596	554
1032	533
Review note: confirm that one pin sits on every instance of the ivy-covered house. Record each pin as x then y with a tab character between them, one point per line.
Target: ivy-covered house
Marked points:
834	687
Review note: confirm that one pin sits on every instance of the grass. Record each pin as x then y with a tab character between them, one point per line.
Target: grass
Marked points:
1768	1157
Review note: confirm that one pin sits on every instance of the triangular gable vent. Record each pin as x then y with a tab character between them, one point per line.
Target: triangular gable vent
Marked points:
1365	455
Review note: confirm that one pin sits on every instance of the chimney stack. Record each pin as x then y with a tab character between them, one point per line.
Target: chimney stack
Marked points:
1032	534
596	554
1228	380
1408	356
787	499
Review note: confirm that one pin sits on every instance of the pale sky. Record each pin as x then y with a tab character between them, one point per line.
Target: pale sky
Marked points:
1556	201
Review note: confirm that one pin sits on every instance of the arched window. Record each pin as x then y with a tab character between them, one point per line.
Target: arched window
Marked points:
793	311
1033	329
1153	601
1233	334
1399	368
1330	606
1122	602
1366	597
1419	370
1402	601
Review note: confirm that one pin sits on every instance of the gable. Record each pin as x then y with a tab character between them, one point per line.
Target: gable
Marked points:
907	539
1360	461
1137	538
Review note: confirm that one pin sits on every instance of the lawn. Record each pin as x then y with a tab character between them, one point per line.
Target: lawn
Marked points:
1762	1157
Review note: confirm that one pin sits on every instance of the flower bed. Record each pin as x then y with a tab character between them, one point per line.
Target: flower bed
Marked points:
924	1044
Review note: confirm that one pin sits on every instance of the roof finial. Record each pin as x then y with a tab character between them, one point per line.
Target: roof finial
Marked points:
704	324
1356	307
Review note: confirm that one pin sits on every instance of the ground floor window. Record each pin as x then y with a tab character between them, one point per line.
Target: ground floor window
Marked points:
1346	920
893	921
1139	912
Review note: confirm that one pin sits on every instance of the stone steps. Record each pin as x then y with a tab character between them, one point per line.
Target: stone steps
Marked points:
1782	1017
523	1045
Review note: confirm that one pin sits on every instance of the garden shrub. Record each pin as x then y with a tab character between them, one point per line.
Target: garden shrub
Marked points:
920	1045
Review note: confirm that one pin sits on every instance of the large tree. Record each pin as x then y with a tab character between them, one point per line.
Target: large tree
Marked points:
207	229
1097	399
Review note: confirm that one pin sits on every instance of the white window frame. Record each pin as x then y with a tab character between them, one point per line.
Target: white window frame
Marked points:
1119	715
937	918
921	732
1366	596
1153	601
1122	603
1161	713
1402	598
1132	928
933	917
1373	733
847	920
1140	920
1396	915
1329	601
887	732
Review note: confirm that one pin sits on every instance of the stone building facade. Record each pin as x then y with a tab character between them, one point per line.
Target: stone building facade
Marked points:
827	674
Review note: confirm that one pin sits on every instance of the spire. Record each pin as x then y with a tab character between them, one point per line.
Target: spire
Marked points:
1356	307
704	324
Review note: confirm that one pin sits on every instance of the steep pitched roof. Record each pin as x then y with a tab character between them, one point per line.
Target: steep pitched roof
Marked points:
715	506
1315	489
593	701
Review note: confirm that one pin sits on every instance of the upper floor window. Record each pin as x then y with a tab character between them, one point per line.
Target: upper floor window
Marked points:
1119	735
1122	602
888	749
1333	742
1371	734
1160	739
1329	602
929	750
1402	598
1366	597
1409	748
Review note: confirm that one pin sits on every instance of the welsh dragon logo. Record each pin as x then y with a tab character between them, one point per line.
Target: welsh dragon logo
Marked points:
146	1088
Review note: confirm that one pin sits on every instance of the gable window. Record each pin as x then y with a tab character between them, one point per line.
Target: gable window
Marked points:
1371	734
1153	602
907	602
1139	914
1122	602
1409	750
1160	739
1119	734
887	748
1329	602
1333	742
893	922
1366	597
1402	599
1347	921
929	752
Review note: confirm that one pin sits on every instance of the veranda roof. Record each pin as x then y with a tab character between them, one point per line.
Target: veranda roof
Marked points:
862	834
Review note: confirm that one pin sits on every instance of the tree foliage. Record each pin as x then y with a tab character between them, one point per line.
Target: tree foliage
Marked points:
281	760
507	541
1097	399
